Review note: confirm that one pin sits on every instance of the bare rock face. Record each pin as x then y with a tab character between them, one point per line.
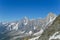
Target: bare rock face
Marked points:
53	31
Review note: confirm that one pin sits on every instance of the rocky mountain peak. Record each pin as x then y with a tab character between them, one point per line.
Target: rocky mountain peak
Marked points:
53	31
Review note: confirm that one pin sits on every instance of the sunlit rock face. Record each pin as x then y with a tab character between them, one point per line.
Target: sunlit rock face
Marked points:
53	31
26	29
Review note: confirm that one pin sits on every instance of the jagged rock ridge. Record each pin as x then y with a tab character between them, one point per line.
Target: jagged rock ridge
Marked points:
53	29
25	28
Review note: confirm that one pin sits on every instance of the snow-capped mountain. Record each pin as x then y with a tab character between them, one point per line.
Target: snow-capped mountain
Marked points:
25	28
53	31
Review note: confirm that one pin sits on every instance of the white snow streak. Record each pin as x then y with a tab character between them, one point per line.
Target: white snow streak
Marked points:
38	33
55	37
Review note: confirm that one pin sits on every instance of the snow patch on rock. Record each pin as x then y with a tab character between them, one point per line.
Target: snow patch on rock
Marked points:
54	36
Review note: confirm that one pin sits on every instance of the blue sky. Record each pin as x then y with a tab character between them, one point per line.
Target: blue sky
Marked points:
17	9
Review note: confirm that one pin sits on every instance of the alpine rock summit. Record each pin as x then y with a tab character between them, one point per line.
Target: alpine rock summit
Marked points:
27	29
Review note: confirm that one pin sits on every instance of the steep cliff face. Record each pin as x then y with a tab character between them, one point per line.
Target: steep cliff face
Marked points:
53	31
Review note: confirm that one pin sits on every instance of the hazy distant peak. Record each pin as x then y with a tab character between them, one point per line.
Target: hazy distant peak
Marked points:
51	14
25	17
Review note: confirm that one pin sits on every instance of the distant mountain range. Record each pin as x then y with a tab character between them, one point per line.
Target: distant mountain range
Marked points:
30	29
